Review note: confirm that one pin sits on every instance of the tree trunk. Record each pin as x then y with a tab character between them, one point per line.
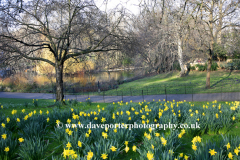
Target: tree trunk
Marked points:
219	29
209	64
109	76
180	57
211	47
59	82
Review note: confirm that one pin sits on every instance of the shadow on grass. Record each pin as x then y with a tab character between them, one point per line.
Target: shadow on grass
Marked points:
222	79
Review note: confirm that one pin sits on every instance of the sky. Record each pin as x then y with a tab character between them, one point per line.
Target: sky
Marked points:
131	5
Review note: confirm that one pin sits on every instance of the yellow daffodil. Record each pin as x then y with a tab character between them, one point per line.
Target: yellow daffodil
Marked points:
233	118
148	136
68	145
236	151
104	135
212	152
4	136
181	155
194	140
230	156
79	144
198	139
103	120
57	121
20	139
70	133
14	112
69	121
152	146
180	135
147	121
3	125
228	146
164	141
157	134
150	156
126	149
87	135
194	147
134	148
104	156
6	149
89	131
67	130
113	149
89	155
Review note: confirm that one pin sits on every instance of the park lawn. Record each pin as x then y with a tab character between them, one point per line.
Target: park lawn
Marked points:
171	83
57	148
43	104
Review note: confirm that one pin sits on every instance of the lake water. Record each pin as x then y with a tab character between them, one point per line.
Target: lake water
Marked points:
82	78
106	76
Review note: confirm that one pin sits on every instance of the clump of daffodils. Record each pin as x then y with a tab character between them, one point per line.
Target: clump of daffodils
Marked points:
181	133
194	141
67	153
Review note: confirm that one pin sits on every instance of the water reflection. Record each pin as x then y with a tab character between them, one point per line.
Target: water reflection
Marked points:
81	77
105	76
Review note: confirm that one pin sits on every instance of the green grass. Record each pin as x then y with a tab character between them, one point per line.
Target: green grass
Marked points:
171	83
18	104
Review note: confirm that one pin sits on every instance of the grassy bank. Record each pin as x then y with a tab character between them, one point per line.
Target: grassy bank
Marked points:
171	83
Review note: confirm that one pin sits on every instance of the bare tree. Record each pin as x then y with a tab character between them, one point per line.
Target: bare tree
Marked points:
213	17
67	28
163	28
180	24
155	43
